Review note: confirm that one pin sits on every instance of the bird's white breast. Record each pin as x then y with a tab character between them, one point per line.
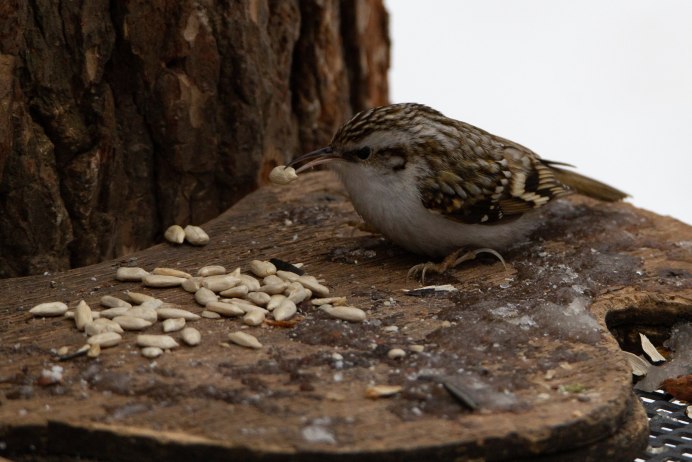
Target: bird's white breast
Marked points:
390	202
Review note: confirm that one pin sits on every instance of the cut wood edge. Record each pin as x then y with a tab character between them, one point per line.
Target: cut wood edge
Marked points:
54	437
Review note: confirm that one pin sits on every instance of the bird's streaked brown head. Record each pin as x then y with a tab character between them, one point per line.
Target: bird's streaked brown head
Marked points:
383	133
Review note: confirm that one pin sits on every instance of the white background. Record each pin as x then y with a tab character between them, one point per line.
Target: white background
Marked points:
603	85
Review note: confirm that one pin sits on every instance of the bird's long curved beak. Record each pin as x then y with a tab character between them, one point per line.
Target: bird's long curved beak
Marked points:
314	158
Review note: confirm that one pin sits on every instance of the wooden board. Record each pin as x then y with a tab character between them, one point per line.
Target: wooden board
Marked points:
548	379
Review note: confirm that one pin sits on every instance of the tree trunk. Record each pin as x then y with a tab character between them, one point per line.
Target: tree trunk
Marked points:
121	118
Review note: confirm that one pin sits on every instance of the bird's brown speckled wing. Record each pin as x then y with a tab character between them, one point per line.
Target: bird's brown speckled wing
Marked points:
488	180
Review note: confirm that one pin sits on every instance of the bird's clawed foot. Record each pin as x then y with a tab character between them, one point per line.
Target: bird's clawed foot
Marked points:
362	227
451	261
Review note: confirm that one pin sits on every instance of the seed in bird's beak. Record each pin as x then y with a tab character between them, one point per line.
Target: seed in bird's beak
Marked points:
282	174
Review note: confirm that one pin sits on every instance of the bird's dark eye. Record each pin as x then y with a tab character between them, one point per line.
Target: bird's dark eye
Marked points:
363	153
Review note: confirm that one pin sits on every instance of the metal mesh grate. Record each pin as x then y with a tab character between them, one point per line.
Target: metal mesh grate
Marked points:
670	437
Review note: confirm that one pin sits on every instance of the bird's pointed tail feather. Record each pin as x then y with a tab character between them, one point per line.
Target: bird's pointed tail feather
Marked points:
587	186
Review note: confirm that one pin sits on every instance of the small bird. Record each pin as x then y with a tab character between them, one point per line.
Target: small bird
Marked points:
443	188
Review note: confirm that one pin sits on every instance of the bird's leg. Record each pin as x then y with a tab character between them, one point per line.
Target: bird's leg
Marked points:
450	261
362	226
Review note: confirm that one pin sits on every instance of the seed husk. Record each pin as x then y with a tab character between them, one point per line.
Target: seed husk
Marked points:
143	312
211	270
254	318
174	234
82	315
639	366
650	350
262	268
220	282
382	391
173	324
165	342
110	313
310	282
151	352
192	284
334	301
168	313
258	298
285	310
430	290
205	296
210	314
245	340
288	266
225	309
132	322
237	291
347	313
196	235
130	273
191	336
101	325
459	392
49	309
160	280
396	353
138	297
282	174
282	265
171	272
105	340
110	301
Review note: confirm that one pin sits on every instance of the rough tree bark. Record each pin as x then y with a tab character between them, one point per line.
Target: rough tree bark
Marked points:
118	119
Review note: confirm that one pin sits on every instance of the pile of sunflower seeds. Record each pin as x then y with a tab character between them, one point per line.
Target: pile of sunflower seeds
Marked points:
268	296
